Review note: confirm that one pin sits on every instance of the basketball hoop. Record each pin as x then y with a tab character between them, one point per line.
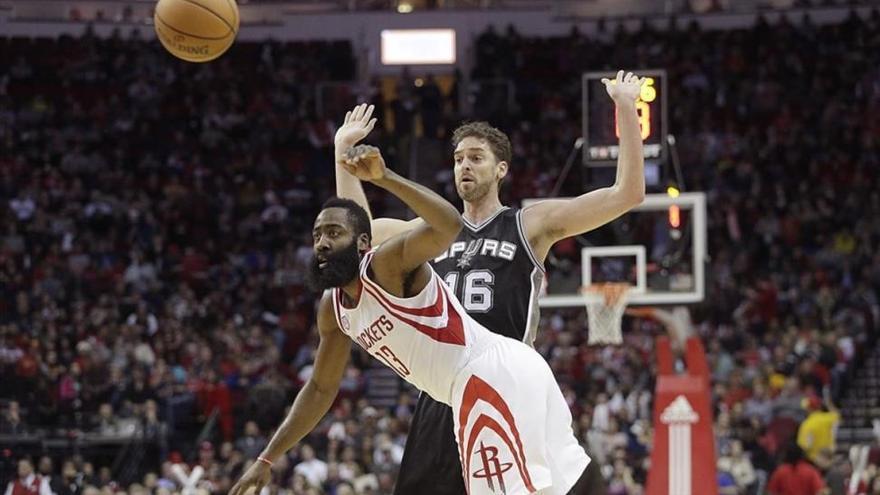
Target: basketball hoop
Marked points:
605	303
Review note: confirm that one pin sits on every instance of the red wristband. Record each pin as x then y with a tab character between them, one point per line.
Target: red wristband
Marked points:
267	461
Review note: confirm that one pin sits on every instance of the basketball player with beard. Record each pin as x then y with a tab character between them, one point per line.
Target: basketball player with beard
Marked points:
511	420
496	264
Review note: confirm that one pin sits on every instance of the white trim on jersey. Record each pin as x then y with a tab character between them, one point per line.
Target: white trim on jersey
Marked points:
477	228
533	316
521	231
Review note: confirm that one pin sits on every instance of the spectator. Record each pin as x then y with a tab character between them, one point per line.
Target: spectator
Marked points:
12	423
816	433
252	443
71	481
107	423
602	413
45	472
795	476
759	404
312	469
738	465
27	482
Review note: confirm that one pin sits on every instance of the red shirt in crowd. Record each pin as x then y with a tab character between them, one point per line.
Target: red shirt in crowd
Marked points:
799	479
30	485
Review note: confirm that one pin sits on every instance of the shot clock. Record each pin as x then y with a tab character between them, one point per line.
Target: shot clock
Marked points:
600	118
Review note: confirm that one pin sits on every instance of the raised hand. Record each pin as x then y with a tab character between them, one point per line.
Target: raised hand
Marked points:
364	162
624	88
356	126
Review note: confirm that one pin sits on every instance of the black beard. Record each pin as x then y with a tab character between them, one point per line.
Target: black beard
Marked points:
341	268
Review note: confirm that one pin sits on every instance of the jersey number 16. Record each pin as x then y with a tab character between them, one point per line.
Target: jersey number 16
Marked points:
476	291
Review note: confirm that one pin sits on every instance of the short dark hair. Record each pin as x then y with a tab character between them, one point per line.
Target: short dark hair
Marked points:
358	217
499	143
793	453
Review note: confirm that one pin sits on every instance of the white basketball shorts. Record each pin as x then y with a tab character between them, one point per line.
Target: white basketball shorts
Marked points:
513	426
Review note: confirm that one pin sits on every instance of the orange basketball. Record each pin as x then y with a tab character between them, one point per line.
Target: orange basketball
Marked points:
196	30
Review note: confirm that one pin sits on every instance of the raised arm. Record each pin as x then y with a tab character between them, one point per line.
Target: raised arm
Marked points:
311	404
356	126
409	250
549	221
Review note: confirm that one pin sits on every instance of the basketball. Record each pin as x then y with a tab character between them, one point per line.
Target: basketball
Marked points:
196	30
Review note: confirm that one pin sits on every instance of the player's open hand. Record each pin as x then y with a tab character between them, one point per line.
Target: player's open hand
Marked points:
356	126
624	88
257	476
365	162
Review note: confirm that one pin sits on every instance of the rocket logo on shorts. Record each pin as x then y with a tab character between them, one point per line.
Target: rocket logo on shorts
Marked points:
482	411
492	468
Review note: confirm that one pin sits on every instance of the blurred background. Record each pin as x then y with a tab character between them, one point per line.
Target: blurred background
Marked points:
156	221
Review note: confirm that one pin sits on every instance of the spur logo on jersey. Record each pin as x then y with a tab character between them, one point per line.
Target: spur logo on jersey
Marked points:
493	470
480	247
375	332
464	260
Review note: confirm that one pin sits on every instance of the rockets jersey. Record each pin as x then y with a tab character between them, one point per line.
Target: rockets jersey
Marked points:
497	278
427	339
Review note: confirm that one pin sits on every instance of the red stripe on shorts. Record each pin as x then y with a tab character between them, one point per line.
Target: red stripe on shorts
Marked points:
477	389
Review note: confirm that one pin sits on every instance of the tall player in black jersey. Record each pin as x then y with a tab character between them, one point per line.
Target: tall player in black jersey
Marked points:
495	266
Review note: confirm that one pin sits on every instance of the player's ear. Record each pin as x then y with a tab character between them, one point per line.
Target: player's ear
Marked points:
363	243
501	172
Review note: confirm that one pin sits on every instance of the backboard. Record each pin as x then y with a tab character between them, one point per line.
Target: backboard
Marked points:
659	247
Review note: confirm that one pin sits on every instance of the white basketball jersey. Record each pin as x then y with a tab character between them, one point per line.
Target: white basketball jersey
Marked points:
427	339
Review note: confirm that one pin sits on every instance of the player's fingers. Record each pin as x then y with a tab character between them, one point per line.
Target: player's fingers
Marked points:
348	167
347	117
606	81
371	124
620	76
369	112
360	112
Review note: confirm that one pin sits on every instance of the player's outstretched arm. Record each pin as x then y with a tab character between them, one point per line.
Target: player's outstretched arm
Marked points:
549	221
440	225
356	126
311	404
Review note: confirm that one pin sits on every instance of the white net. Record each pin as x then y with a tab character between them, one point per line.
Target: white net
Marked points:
605	306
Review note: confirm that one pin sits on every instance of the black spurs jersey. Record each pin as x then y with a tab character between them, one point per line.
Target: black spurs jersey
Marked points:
495	275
